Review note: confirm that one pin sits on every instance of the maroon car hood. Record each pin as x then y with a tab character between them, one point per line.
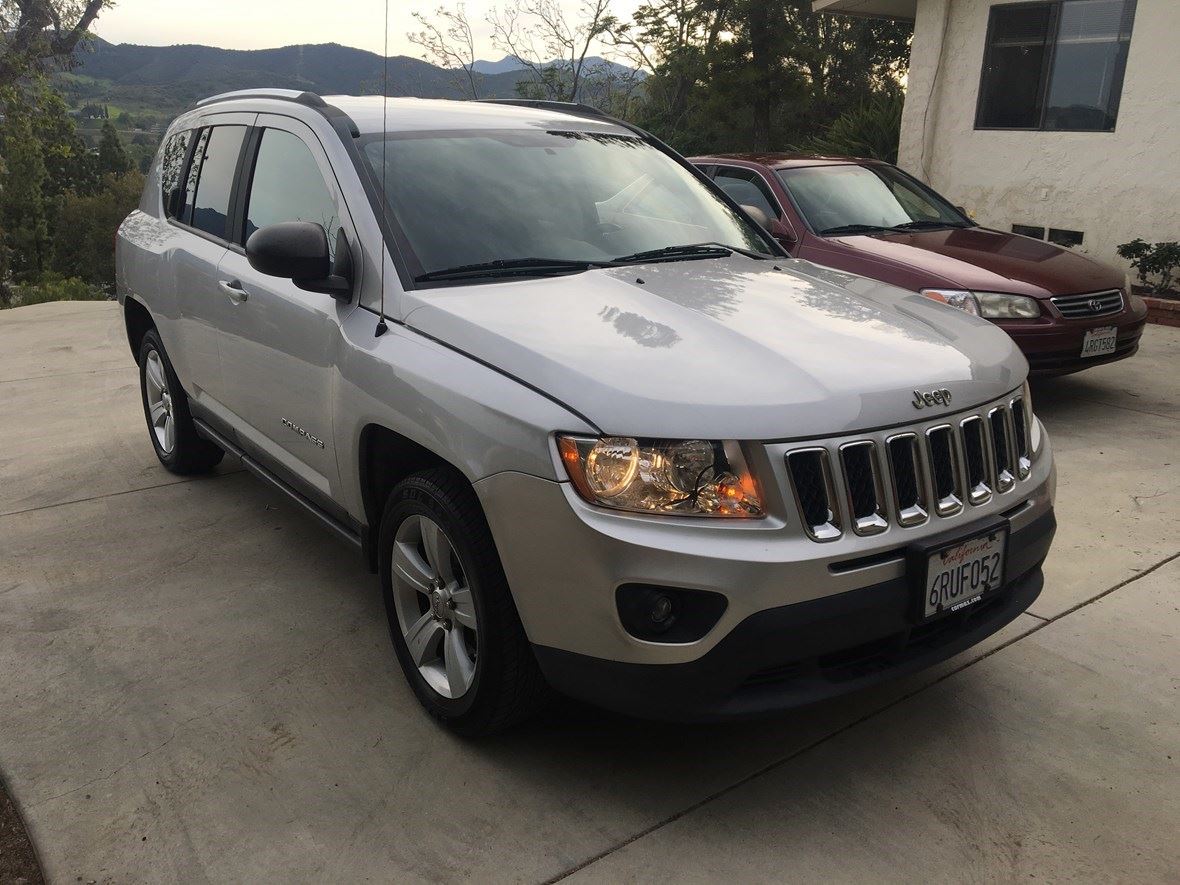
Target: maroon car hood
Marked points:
985	260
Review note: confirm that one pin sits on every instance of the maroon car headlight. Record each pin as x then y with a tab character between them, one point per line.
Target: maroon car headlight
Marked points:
954	298
998	306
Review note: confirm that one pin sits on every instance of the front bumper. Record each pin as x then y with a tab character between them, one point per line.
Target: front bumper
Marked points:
1053	345
799	654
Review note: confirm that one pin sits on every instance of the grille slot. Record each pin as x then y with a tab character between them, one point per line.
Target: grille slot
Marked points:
979	490
1084	307
1020	438
1001	449
866	503
944	470
811	478
905	468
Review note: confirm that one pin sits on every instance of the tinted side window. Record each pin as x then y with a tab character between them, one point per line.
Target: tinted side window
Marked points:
219	163
185	213
171	168
288	186
746	188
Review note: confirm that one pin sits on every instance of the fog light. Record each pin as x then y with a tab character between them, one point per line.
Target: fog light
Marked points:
668	614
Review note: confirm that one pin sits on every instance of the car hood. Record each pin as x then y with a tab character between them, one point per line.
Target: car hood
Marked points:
984	260
724	348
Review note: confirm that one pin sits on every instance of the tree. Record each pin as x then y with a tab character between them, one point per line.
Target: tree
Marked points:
24	226
37	34
449	42
87	226
553	47
112	156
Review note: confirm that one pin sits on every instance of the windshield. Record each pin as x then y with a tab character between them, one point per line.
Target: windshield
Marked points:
466	198
837	199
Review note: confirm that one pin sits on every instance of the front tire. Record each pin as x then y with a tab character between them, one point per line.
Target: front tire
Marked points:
452	620
165	406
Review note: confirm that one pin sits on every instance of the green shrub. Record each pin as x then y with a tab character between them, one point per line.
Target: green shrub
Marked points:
872	130
52	287
1159	260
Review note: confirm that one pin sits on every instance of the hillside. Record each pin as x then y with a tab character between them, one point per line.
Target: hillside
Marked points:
159	81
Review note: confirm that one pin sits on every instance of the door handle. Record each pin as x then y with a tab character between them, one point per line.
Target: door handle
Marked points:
234	290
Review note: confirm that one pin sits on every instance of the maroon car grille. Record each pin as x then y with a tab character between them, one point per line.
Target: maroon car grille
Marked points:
1084	307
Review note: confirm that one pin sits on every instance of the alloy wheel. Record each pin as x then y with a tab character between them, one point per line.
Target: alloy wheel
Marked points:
435	608
159	400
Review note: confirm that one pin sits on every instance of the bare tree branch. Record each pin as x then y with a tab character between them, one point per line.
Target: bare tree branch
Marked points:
449	42
35	34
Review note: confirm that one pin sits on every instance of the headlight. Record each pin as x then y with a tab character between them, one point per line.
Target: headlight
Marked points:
691	478
996	306
989	305
954	298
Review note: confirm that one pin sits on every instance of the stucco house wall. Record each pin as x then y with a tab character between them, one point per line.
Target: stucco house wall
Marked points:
1113	186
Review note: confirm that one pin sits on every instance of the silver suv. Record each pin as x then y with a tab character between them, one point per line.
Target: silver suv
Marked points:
591	426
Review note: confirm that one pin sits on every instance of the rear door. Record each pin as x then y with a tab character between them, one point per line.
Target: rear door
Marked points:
280	344
201	210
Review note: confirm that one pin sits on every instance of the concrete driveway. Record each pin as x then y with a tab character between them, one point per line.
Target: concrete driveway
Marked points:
196	685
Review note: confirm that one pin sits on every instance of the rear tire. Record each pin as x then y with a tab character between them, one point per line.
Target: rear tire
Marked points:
165	406
452	620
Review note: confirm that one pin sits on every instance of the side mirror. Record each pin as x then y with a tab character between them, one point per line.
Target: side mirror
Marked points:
782	232
297	251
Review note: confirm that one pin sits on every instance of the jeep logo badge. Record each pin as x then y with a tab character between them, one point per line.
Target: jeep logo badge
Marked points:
931	398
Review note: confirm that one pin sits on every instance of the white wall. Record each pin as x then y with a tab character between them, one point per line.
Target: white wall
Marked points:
1114	186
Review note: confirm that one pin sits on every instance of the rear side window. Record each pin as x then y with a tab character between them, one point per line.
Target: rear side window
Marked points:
746	188
171	170
215	178
288	186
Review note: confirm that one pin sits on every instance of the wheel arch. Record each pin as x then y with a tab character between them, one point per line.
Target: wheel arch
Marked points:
138	321
385	458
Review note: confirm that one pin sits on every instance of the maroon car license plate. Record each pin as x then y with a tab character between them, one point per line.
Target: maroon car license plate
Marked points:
1100	341
959	575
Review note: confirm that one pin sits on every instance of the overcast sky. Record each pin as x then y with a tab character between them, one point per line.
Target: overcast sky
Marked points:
262	24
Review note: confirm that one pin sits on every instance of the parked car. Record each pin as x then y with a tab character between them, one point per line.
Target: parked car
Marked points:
577	410
1066	311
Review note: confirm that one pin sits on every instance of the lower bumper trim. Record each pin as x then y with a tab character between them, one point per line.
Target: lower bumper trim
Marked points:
800	654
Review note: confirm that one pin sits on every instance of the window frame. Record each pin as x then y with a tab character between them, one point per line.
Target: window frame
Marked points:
198	130
1054	29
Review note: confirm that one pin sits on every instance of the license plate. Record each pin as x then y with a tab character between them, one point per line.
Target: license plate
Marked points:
1100	341
959	575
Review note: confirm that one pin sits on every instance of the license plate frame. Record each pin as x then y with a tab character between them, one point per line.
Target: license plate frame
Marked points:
920	557
1107	339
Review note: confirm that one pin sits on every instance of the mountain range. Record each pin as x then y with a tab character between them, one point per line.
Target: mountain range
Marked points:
162	80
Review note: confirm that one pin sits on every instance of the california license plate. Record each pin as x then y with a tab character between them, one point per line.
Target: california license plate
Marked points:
960	574
1100	341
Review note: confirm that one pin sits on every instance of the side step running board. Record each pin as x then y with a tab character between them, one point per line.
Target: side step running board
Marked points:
347	533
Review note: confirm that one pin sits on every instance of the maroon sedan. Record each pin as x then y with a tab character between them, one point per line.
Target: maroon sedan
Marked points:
1066	311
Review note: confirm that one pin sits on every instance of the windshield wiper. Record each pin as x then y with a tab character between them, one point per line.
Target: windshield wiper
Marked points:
928	225
853	229
691	250
505	267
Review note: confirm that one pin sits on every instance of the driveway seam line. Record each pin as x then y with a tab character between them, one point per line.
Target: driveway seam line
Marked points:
163	485
66	375
771	766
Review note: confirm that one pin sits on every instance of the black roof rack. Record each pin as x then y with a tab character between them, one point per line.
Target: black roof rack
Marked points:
307	99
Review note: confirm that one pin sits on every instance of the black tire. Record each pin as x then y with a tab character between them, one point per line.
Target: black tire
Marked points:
190	453
508	686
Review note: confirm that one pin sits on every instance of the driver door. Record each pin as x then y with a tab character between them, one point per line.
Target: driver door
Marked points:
280	345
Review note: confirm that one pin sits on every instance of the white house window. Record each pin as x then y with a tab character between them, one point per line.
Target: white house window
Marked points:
1055	65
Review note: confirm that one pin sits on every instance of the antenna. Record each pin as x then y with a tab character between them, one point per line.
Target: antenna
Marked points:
382	328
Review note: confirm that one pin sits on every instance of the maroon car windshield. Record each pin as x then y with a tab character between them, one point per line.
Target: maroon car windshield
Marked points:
862	199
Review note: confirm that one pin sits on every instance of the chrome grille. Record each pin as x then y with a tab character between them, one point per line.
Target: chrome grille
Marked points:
811	478
910	477
862	481
1084	307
